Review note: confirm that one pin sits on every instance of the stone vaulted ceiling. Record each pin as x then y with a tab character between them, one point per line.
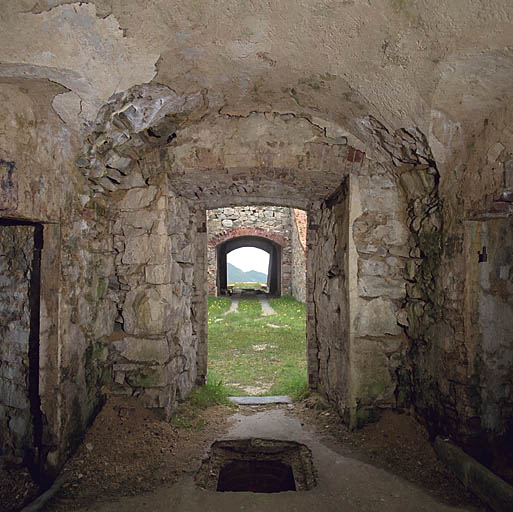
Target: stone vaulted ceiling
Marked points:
293	73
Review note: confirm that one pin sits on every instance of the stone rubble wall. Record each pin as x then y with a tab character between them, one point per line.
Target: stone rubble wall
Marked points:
457	310
153	349
268	221
328	342
200	297
378	255
157	241
357	252
298	240
474	353
16	252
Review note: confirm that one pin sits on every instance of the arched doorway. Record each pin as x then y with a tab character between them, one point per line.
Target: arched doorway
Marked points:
265	244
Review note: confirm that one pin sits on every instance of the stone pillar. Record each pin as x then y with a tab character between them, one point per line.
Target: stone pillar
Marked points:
200	298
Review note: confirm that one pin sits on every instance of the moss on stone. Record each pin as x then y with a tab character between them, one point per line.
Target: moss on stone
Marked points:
101	288
147	378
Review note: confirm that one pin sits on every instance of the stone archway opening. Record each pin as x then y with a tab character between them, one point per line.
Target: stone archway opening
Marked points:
274	267
249	266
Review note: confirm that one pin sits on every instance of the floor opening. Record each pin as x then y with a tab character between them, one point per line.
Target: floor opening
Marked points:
257	465
256	476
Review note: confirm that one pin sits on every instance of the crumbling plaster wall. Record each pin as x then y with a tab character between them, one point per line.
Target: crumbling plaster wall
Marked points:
40	184
440	72
458	209
475	381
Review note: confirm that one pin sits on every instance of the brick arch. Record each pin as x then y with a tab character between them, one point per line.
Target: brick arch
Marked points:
248	231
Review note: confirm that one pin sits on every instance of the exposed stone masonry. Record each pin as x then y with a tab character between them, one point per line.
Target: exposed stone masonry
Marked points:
298	240
355	296
398	145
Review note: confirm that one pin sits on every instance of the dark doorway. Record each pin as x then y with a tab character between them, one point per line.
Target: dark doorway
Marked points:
21	244
272	248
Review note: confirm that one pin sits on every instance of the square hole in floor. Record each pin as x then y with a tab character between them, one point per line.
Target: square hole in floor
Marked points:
257	465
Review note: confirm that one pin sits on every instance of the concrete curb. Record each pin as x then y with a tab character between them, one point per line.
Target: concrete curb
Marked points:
494	491
259	400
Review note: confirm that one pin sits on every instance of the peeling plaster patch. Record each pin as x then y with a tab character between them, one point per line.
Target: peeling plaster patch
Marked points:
8	186
70	45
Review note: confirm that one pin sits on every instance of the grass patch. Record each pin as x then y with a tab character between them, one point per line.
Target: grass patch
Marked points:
214	392
218	306
247	353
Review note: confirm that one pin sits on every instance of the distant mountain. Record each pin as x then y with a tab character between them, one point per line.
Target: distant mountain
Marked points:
236	275
255	277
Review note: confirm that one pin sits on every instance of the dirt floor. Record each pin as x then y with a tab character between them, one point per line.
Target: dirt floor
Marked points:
129	451
16	487
396	443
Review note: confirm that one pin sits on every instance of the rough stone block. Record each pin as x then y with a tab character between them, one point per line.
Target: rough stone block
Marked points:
373	381
158	274
143	349
137	198
149	377
159	248
376	318
374	286
137	250
149	311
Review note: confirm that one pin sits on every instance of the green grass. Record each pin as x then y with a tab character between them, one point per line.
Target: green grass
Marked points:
245	352
214	392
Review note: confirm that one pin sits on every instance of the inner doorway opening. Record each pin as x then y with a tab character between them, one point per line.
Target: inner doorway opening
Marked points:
247	268
249	251
21	420
256	328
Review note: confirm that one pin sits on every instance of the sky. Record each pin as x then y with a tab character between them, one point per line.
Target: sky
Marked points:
249	258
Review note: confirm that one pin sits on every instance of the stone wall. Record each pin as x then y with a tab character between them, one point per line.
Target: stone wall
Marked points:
153	349
474	353
328	341
456	307
298	240
271	222
16	260
357	252
378	255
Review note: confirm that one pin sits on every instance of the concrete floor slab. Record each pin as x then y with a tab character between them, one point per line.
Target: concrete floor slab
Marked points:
344	484
266	306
